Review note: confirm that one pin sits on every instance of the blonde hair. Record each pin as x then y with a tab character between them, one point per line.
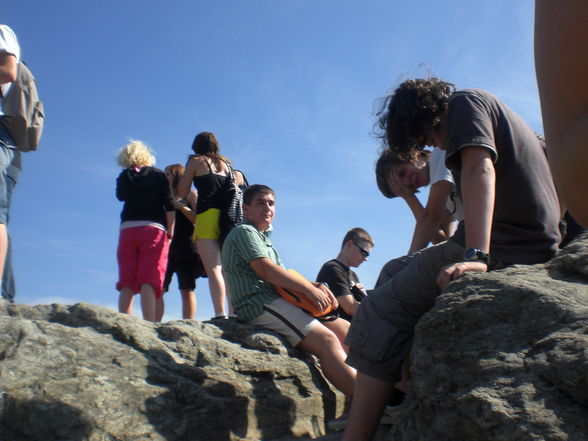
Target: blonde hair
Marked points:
135	154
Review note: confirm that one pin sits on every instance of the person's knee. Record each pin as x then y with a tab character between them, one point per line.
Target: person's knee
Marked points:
187	294
323	341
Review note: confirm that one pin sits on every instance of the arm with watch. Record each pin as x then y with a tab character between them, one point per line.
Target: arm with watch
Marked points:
478	188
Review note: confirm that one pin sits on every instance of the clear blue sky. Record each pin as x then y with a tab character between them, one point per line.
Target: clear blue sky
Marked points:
288	86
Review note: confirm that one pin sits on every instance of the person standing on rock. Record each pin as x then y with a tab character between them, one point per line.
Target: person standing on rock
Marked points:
561	61
511	216
341	279
147	225
10	159
209	171
253	267
183	259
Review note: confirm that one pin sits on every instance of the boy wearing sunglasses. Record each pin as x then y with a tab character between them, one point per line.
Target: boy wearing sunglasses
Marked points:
342	280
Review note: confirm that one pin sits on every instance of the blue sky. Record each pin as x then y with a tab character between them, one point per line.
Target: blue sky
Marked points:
288	86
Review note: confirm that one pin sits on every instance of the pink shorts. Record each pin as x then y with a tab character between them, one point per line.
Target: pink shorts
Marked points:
142	258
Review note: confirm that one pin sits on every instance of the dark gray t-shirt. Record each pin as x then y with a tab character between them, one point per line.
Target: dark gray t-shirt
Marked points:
526	209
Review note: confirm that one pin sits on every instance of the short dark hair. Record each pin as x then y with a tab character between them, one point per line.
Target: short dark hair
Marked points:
387	160
357	234
252	190
416	106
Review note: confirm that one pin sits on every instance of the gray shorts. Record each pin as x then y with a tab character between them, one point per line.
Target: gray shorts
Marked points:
287	320
382	330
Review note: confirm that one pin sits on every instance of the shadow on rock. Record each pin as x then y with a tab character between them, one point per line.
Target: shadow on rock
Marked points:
194	406
37	420
274	412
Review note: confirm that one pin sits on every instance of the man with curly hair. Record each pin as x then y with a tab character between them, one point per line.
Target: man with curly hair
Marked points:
511	216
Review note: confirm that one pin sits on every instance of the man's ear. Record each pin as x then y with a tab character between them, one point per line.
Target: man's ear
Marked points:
245	210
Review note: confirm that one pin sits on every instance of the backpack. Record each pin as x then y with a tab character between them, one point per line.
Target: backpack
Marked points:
232	206
23	112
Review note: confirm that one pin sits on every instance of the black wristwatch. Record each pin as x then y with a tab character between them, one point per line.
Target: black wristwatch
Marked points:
474	254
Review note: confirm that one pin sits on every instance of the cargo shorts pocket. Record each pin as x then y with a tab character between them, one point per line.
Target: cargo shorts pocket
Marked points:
376	338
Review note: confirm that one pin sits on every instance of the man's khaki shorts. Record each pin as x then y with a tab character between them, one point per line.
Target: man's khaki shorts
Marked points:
286	319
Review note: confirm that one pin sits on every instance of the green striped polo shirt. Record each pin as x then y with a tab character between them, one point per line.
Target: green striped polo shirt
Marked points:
248	292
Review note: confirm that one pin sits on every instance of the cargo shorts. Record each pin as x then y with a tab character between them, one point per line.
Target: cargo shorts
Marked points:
382	329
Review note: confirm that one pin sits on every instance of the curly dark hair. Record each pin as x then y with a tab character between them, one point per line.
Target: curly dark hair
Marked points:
406	115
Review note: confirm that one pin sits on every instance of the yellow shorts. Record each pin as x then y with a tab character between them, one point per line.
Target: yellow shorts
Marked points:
207	225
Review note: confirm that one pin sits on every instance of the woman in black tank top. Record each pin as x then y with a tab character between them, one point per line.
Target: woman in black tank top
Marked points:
208	169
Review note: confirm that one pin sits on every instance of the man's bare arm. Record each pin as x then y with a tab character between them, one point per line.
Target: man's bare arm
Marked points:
276	275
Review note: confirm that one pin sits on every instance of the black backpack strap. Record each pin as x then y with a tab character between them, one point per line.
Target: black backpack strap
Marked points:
231	172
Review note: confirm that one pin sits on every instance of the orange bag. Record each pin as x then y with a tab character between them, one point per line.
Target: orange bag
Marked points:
300	300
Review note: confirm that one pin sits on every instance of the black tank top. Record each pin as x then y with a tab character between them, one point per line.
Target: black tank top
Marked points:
209	194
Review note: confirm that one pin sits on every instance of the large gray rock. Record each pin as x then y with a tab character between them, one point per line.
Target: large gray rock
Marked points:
87	373
504	356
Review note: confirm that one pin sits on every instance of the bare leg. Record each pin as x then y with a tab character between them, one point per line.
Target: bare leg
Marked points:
340	328
159	309
210	254
369	399
561	60
326	346
228	292
148	302
402	385
188	304
125	300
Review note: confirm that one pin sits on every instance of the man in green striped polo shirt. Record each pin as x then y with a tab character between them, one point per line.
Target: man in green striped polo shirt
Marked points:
252	267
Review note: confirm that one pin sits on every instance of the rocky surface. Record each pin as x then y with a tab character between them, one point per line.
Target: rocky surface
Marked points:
504	356
87	373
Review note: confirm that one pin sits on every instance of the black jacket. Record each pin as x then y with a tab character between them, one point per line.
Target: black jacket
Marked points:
146	195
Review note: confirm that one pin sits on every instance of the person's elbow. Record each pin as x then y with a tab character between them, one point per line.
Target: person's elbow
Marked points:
262	268
429	218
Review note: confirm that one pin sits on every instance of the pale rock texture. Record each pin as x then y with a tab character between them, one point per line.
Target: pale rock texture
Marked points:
503	356
84	372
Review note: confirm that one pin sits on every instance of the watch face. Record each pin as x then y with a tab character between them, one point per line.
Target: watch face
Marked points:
471	253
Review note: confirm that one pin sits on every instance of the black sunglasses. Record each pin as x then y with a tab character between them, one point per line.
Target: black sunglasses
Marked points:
363	252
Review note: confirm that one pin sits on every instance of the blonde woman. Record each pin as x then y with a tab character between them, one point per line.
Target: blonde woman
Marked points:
209	171
147	224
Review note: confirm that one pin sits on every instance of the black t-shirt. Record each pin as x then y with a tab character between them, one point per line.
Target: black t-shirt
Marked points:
341	280
525	225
